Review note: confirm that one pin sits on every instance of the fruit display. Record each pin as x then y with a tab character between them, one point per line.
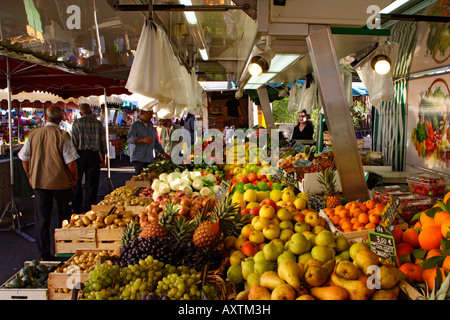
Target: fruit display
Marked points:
34	275
101	219
159	166
427	184
84	262
384	193
189	182
145	176
146	192
423	250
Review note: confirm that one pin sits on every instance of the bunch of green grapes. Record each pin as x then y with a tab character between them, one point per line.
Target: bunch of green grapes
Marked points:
103	283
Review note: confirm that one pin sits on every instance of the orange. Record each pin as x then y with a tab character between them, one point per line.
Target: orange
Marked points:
374	218
379	206
404	249
347	227
430	237
446	264
411	236
363	207
440	216
370	204
430	274
339	208
418	226
343	220
445	228
426	220
370	225
357	226
446	197
398	235
335	219
433	253
344	213
363	218
348	205
354	220
413	271
329	211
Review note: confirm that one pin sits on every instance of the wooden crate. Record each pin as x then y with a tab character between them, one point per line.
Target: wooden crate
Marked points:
98	208
69	240
135	209
25	293
139	184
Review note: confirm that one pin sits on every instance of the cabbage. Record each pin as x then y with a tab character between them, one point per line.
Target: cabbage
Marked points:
164	187
195	175
156	195
211	178
216	188
155	184
173	176
205	192
163	176
197	184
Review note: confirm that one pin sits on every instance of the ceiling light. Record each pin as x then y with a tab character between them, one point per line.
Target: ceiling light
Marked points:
204	54
394	5
381	64
258	65
263	78
282	61
190	15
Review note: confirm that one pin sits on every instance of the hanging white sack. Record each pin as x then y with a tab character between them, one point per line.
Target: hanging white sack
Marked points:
294	97
380	87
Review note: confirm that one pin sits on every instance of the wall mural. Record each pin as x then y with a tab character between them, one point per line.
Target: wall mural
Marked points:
428	123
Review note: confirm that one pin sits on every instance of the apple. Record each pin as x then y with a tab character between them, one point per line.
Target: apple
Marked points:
239	242
271	203
286	234
271	231
244	179
298	217
252	177
246	230
301	226
312	218
261	176
237	256
300	203
261	195
288	195
257	236
260	222
284	214
245	211
255	211
249	249
267	211
286	224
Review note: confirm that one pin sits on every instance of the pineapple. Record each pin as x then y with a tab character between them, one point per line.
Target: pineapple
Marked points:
164	224
131	231
326	180
183	229
224	219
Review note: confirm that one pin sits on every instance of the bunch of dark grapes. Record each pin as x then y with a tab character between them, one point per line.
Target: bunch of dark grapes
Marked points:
170	251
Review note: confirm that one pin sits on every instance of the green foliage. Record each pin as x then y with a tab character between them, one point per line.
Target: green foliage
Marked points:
359	113
281	113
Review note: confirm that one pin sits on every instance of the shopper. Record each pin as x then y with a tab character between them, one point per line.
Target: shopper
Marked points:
167	128
89	139
304	130
233	111
49	160
189	125
143	141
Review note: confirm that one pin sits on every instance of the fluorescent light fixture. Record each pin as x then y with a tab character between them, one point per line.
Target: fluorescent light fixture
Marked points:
282	61
204	54
190	15
264	78
394	5
249	86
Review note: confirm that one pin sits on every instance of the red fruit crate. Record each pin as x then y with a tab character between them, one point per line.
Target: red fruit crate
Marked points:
427	184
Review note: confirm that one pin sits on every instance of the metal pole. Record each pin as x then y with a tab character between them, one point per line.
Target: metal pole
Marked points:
107	135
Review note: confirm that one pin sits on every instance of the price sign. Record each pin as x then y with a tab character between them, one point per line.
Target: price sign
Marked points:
298	147
327	150
278	175
384	246
390	212
223	190
290	179
316	202
302	163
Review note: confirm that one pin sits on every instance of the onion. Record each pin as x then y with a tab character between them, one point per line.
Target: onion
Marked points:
184	210
186	202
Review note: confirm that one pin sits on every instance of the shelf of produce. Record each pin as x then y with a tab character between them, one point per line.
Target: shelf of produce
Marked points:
109	239
136	209
25	293
139	184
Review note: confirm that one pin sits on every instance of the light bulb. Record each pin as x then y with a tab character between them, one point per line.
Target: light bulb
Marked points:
381	64
255	69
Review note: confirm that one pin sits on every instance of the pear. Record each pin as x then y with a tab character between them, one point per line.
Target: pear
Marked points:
283	291
347	270
357	290
270	280
312	262
390	277
306	297
248	266
386	294
344	255
316	276
253	279
258	292
243	295
290	271
331	292
366	258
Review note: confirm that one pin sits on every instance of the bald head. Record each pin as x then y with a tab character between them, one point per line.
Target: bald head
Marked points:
53	114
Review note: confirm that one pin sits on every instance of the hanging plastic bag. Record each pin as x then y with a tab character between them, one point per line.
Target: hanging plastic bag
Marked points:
294	97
